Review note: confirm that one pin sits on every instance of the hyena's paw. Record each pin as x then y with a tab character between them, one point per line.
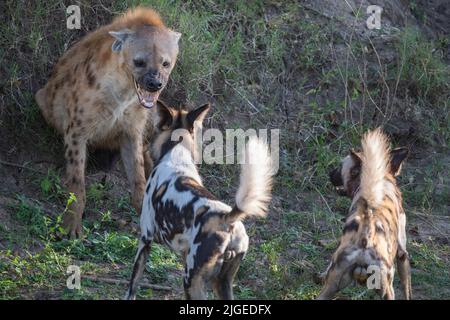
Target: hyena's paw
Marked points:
72	225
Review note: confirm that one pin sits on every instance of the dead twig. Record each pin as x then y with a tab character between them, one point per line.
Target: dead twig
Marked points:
21	166
125	282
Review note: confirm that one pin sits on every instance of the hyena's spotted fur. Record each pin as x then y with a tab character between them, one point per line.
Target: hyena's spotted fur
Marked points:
180	212
374	233
98	93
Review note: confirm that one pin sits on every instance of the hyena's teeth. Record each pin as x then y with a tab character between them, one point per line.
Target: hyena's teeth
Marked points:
147	104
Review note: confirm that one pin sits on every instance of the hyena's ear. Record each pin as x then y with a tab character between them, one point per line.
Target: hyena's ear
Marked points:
121	36
197	115
398	155
165	115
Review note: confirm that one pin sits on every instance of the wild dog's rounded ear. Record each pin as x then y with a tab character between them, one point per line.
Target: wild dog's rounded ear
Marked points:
165	114
356	158
120	36
197	115
398	155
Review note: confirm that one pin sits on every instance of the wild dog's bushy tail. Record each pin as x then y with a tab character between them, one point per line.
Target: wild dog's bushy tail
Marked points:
375	165
255	186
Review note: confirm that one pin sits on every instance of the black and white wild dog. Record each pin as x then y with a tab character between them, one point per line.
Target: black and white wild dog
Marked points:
180	212
374	235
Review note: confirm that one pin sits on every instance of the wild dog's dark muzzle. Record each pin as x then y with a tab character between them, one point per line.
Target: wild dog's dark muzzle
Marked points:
336	177
336	180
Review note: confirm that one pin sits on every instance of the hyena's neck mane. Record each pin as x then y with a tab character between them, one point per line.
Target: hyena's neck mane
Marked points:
375	182
136	17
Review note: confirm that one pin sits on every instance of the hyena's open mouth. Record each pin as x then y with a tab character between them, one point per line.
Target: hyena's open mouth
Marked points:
146	98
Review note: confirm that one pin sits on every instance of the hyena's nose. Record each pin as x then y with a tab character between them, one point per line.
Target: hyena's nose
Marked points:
151	83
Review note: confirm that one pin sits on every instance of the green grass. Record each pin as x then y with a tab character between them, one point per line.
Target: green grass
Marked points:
420	66
263	64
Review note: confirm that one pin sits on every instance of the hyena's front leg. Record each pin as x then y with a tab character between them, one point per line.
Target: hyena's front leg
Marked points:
148	161
75	154
133	159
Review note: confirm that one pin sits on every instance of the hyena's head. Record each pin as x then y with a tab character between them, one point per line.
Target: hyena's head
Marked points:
149	53
177	125
346	178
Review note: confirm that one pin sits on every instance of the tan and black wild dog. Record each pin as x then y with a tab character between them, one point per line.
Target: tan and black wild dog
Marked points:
100	93
374	235
181	213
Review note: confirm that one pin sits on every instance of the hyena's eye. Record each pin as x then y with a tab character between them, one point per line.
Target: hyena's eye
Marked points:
139	63
166	64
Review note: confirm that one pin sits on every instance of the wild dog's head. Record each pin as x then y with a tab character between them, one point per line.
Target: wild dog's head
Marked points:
177	125
347	177
148	53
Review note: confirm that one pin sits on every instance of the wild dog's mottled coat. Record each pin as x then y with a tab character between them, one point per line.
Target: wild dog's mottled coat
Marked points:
374	233
180	212
93	95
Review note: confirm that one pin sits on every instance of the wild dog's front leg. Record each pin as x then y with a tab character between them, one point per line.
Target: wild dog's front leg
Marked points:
139	266
387	284
338	277
133	159
403	265
75	154
319	277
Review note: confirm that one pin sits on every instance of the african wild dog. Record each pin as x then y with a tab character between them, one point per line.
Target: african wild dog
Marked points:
180	212
374	232
99	94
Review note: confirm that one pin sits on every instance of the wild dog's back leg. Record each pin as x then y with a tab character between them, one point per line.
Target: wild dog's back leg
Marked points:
139	266
223	283
404	271
75	154
203	265
235	252
131	151
195	279
403	265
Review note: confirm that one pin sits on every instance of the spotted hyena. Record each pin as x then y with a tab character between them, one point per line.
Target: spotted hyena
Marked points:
100	95
374	235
